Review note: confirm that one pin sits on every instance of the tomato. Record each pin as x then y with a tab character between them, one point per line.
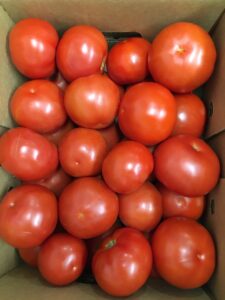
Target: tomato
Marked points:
32	46
82	151
141	209
92	101
27	155
82	51
127	62
184	253
147	113
30	255
175	205
57	136
191	115
38	105
127	166
28	215
60	81
88	208
186	165
111	135
123	262
62	259
182	57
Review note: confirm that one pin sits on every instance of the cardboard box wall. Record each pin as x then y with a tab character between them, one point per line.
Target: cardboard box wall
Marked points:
147	17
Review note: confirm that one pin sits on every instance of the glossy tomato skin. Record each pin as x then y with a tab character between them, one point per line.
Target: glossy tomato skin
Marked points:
184	253
32	46
57	136
127	166
88	208
119	266
175	205
38	105
111	135
141	209
182	57
82	151
28	215
62	259
191	115
30	255
147	113
186	165
127	62
27	155
82	51
60	81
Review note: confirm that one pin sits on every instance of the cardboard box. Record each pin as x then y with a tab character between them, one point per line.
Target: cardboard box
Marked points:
146	17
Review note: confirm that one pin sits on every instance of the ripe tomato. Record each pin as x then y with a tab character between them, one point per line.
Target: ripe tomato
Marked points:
147	113
57	136
88	208
62	259
186	165
175	205
82	51
184	253
60	81
82	151
30	255
182	57
111	135
127	166
123	262
127	62
92	101
27	155
32	46
28	215
141	209
191	115
38	105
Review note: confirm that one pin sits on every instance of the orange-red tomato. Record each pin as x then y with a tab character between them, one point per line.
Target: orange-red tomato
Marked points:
111	134
30	255
60	81
57	136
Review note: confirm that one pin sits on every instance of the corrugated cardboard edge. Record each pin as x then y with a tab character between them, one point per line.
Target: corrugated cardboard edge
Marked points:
217	142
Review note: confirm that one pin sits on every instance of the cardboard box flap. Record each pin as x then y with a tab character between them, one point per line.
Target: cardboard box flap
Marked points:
218	144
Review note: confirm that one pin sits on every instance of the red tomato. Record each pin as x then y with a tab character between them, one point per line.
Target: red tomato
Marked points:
175	205
92	101
141	209
182	57
111	135
28	215
127	166
186	165
60	81
82	151
147	113
57	136
62	259
127	62
27	155
30	255
38	105
32	46
191	115
123	262
82	51
184	253
88	208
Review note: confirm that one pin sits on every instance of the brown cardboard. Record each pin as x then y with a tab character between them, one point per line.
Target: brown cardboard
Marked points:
217	142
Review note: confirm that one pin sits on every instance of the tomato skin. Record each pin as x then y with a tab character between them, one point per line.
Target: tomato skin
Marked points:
127	166
27	155
111	135
82	51
147	113
182	57
175	205
127	62
32	46
30	255
119	266
191	115
92	101
141	209
57	136
62	259
60	81
186	165
28	215
38	105
184	253
88	208
82	151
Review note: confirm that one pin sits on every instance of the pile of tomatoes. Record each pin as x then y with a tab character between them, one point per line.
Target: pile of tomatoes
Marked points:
108	150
